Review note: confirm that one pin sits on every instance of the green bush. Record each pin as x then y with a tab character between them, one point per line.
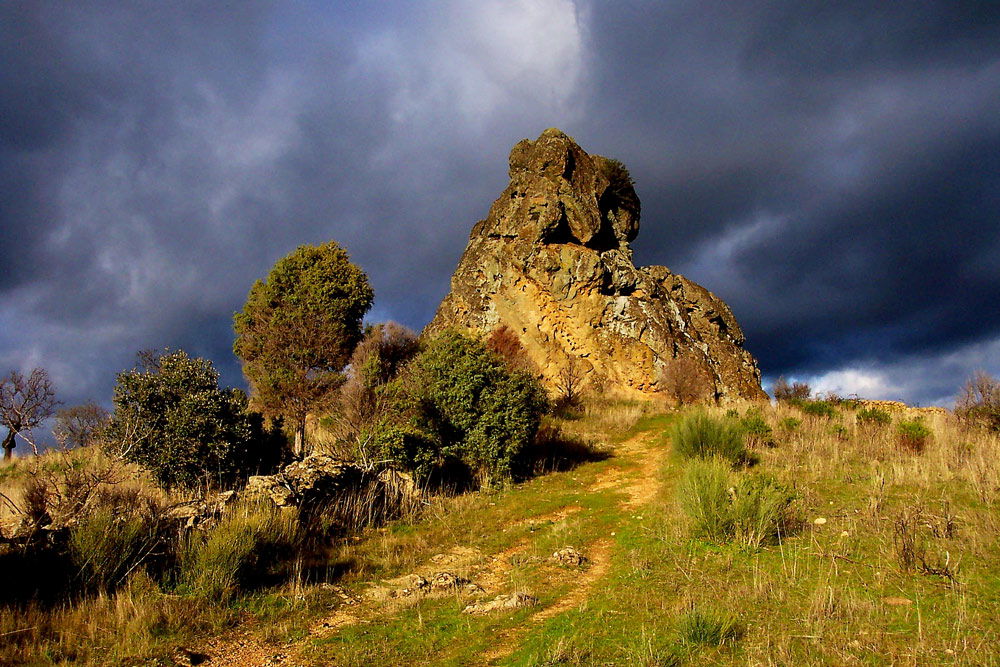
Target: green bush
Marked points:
709	628
751	510
913	435
252	542
873	417
701	435
464	406
171	417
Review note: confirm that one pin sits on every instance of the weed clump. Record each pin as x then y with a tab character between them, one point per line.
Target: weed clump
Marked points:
709	628
702	436
751	510
248	545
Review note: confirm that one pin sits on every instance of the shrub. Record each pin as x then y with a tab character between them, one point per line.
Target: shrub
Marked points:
874	417
979	401
463	405
709	628
790	424
784	392
251	543
815	408
913	435
171	417
757	429
701	435
110	543
751	510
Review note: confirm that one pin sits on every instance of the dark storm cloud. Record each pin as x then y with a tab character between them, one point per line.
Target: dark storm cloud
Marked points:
830	169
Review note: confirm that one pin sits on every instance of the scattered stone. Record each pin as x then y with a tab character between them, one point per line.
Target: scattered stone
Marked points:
501	603
552	262
569	557
319	477
203	512
447	581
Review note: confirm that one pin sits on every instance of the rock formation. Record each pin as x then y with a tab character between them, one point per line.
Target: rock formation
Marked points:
552	262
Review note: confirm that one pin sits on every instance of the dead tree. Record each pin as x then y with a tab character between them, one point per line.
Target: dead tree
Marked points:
25	402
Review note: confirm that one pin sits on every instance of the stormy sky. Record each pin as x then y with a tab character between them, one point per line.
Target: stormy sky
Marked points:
831	170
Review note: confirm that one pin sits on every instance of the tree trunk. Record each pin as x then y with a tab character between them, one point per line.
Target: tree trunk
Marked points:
8	445
300	438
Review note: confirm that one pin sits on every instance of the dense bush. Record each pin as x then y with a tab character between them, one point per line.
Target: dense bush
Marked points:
701	435
724	506
464	405
171	417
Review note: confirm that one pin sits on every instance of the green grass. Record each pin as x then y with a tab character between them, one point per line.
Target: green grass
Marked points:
836	591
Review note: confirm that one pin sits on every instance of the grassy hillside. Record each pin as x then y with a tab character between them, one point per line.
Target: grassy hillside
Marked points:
889	555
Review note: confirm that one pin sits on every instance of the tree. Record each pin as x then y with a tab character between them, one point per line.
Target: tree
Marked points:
297	330
25	402
464	405
684	380
784	392
569	383
365	405
504	342
979	401
78	426
171	417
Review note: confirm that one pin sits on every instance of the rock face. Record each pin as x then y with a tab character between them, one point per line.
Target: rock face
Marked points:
552	262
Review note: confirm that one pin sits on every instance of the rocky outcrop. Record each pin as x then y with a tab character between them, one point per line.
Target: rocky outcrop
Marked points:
552	262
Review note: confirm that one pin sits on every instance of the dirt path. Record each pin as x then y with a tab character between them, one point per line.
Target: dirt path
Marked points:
639	491
489	572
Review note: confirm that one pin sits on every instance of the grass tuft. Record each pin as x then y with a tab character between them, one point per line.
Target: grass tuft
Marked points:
701	435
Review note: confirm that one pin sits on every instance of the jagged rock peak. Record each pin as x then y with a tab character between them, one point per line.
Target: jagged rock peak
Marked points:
558	193
552	263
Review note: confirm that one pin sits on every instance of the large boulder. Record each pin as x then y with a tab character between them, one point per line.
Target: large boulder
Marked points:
552	263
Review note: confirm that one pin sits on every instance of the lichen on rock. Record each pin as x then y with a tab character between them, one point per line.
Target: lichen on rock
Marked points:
552	262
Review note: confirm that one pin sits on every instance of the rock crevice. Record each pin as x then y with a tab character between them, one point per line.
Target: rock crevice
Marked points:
552	262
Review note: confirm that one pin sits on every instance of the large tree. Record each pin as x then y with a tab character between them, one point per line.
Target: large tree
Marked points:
297	330
25	402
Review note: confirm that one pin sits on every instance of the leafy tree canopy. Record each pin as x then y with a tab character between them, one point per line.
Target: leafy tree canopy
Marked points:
298	328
